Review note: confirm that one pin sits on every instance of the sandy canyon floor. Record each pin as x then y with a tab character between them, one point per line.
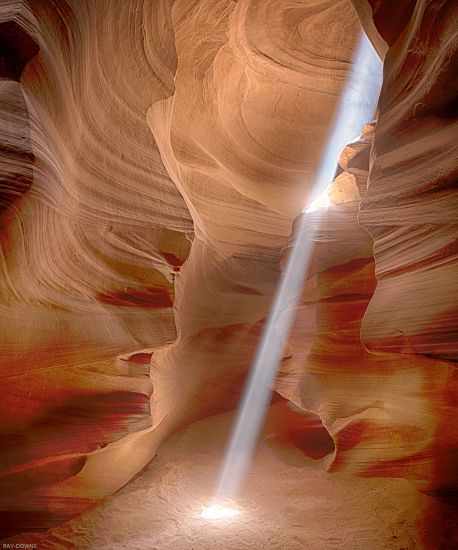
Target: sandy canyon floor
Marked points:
288	503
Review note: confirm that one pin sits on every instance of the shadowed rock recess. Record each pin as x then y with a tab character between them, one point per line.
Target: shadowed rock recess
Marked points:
155	160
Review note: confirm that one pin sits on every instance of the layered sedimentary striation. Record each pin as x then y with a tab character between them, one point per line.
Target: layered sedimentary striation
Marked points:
154	157
87	279
413	223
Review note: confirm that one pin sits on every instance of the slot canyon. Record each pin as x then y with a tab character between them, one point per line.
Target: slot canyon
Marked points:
156	162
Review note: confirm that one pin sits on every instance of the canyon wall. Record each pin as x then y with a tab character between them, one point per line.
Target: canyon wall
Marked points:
154	160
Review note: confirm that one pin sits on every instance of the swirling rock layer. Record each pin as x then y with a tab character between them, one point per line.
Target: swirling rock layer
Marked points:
413	223
154	158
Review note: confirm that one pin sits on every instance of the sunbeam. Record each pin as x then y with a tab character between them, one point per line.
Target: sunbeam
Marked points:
356	108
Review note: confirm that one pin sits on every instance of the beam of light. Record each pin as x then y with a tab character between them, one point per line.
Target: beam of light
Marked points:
357	107
219	512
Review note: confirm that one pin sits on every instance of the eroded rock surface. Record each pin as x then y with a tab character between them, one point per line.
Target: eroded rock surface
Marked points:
154	160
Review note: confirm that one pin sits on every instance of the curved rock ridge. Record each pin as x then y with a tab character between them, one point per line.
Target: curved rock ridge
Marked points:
414	225
16	156
155	158
19	31
389	414
251	111
93	234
